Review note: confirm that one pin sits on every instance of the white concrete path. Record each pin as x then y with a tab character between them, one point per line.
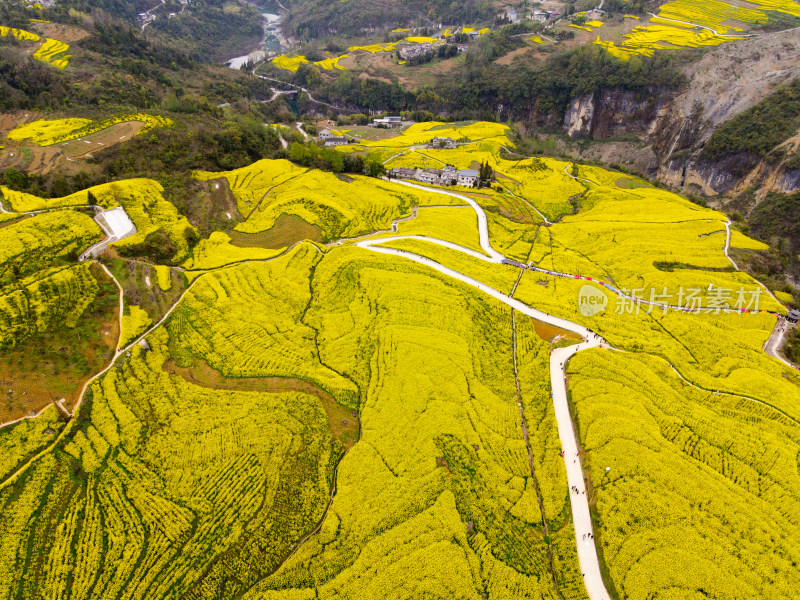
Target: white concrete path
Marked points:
579	502
483	225
735	36
728	244
773	345
437	241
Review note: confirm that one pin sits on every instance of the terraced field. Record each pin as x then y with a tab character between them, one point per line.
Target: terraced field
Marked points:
50	51
48	132
142	200
40	145
421	407
696	23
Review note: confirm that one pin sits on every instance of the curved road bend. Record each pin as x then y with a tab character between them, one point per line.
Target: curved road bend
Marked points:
735	36
773	345
579	502
584	536
483	225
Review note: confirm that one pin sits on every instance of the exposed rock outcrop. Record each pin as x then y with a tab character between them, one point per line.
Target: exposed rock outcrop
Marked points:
673	129
613	112
579	117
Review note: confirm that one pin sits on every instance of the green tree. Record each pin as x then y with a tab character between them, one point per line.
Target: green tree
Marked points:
15	179
374	167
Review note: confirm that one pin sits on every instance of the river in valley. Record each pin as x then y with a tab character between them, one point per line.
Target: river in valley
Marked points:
271	44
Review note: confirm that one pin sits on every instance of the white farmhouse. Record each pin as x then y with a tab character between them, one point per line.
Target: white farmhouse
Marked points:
468	177
427	175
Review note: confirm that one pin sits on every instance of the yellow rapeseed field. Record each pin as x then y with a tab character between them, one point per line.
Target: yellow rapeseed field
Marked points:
217	251
457	225
44	132
270	188
20	34
184	464
164	277
53	52
694	23
289	63
250	184
48	132
493	135
739	240
339	208
50	51
331	63
48	300
27	437
151	508
142	199
41	288
687	464
134	323
446	452
373	48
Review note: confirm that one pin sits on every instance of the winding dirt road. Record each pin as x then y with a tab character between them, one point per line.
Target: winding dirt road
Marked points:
579	501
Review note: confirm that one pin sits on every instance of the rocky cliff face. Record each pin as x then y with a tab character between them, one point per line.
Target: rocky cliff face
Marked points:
579	117
613	112
674	128
788	181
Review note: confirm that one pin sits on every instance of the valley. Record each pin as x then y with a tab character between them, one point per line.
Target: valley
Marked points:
409	300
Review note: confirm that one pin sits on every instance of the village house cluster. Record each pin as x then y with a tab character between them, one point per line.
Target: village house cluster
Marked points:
446	176
331	139
543	16
416	50
442	143
409	52
388	122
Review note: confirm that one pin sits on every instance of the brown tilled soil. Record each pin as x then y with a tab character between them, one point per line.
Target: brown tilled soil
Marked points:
509	58
63	33
43	159
95	142
341	422
549	332
31	159
10	120
55	365
287	230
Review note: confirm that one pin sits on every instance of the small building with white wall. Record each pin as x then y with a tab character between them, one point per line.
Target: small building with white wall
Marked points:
468	177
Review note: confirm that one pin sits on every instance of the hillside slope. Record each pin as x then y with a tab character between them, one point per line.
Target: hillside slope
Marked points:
676	127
